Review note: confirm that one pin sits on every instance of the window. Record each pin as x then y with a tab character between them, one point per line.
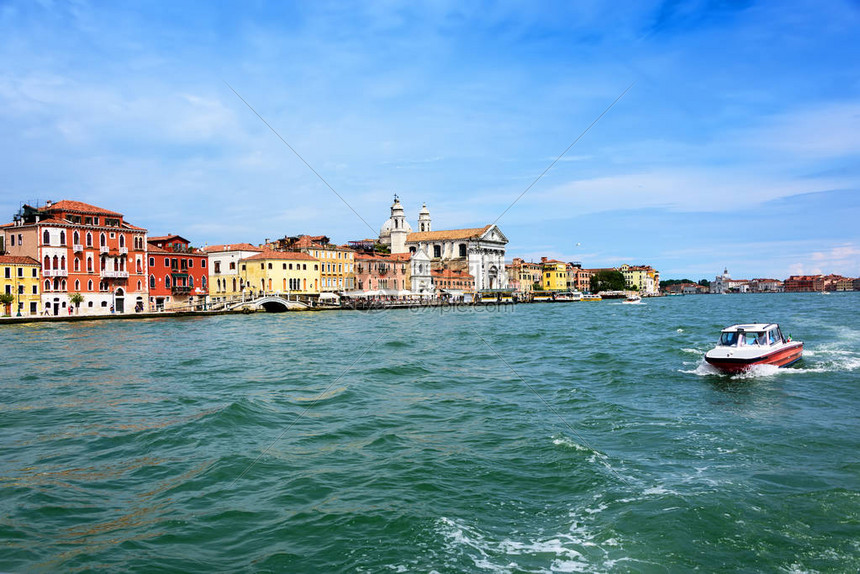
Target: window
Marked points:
8	273
190	263
203	282
62	237
203	263
191	281
233	265
20	272
90	285
462	250
77	285
152	281
437	251
217	267
46	238
13	241
102	240
270	265
167	281
89	239
121	240
152	261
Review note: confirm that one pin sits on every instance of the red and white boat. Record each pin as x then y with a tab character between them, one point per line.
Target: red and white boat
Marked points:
744	346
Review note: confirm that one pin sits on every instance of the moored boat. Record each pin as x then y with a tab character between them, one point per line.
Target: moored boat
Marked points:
744	346
591	297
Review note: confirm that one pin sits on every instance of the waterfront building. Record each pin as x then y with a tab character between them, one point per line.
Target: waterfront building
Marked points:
178	274
554	274
578	279
82	249
452	283
804	283
523	276
761	285
725	284
834	282
336	266
280	272
642	278
478	251
19	277
382	271
225	281
421	276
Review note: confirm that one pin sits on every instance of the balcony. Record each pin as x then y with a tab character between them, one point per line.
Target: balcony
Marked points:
123	250
180	290
110	274
55	272
78	247
104	249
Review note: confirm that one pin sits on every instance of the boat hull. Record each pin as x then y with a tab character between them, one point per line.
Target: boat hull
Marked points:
781	357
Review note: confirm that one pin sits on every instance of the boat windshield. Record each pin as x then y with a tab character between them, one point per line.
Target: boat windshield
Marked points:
729	339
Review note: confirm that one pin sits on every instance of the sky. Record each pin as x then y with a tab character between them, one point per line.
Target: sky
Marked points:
706	134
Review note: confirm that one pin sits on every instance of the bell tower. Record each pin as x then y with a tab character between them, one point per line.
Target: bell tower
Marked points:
424	219
399	228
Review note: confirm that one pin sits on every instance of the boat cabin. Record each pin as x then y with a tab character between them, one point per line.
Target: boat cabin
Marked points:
749	335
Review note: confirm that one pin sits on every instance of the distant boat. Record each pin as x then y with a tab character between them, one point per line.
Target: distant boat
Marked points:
632	299
744	346
590	297
569	296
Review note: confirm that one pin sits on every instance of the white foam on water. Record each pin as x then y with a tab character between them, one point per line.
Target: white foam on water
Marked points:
679	330
563	551
693	351
564	441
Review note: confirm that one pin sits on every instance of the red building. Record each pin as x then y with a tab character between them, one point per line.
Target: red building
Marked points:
452	282
178	274
82	249
804	283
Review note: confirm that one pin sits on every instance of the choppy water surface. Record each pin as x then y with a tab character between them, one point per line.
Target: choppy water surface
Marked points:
541	438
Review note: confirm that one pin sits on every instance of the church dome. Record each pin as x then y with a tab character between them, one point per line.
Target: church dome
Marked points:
388	226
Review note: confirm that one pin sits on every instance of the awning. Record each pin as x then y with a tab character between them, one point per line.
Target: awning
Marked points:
329	296
454	292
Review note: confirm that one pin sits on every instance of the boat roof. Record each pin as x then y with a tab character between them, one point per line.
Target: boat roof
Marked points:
749	327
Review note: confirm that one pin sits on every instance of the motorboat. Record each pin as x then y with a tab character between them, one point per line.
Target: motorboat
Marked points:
632	299
568	296
590	297
744	346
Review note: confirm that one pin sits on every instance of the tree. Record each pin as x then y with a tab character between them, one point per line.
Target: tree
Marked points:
76	299
704	283
607	281
6	299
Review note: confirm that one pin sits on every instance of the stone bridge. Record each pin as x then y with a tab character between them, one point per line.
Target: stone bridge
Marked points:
272	304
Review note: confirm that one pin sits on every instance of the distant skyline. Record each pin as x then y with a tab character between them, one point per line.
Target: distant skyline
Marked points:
737	147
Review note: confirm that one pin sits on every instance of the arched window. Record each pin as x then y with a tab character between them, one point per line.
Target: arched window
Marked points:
77	263
56	284
191	281
90	285
77	285
234	284
46	238
63	262
89	239
152	281
47	284
122	240
56	262
103	263
76	238
203	282
102	240
139	285
64	285
62	237
167	281
89	265
47	262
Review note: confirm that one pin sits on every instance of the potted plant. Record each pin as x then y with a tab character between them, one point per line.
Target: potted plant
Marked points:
6	299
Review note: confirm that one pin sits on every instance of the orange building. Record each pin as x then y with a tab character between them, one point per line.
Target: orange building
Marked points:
82	249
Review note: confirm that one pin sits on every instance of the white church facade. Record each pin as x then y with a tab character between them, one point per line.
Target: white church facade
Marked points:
479	251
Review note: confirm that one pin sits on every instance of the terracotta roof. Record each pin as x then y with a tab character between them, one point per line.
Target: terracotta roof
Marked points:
286	255
79	207
17	260
231	247
156	249
447	234
165	238
386	256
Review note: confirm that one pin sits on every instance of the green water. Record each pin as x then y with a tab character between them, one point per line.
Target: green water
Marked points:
537	438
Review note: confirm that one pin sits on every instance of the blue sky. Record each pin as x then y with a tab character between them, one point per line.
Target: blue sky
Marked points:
738	145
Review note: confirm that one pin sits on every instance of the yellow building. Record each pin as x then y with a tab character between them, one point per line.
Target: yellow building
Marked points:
283	272
337	267
19	277
643	278
554	275
225	281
